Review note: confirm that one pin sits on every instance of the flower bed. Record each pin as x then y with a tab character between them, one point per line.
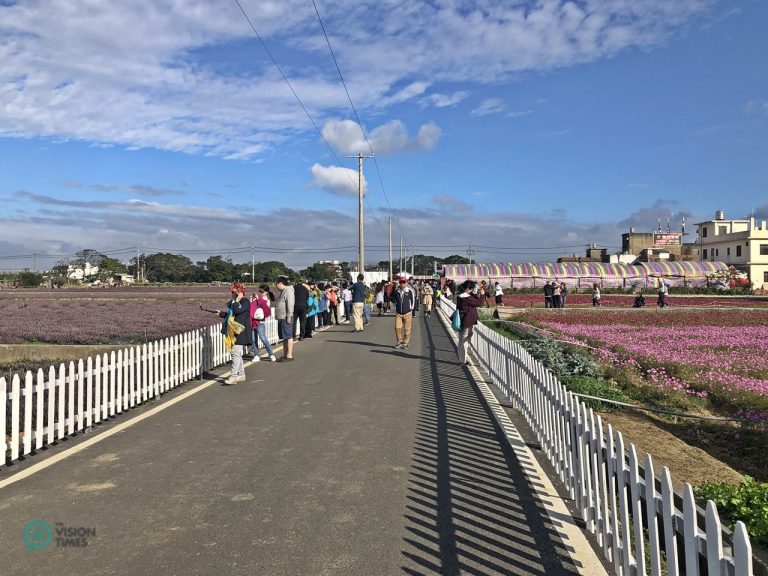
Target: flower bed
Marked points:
80	318
626	301
720	353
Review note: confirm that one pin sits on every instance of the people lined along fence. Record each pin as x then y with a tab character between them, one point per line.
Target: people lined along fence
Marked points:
39	409
619	497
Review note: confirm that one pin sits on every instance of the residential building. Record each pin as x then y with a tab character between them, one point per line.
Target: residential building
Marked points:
742	244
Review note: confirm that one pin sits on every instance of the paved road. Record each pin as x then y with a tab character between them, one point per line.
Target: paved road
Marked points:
356	459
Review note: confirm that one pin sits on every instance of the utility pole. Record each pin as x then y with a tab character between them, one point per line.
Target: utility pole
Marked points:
360	234
401	253
253	265
138	273
413	261
390	248
470	252
34	263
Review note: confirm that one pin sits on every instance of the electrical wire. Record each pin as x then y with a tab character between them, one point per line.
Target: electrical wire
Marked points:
354	110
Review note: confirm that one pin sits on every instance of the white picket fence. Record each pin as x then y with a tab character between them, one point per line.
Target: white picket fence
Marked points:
46	407
642	525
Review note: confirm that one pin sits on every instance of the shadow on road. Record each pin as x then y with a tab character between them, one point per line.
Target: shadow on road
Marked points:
470	507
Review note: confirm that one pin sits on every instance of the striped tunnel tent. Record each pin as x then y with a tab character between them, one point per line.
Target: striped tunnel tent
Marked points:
584	274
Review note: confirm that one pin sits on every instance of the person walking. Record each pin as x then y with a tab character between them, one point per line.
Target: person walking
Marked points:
467	304
261	311
556	294
357	293
595	295
368	307
379	297
403	300
346	295
284	308
498	294
427	293
237	329
388	291
663	290
563	294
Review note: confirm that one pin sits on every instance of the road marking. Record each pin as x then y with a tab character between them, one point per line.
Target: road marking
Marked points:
582	554
104	435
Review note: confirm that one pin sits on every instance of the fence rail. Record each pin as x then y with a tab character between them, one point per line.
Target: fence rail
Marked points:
636	516
48	406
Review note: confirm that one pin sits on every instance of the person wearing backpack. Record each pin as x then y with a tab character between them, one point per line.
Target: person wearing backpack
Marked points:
261	311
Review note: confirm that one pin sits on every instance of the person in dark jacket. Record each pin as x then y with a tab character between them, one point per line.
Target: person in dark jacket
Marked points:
405	303
467	304
548	293
301	295
239	307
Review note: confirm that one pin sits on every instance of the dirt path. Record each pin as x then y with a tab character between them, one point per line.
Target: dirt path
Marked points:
686	463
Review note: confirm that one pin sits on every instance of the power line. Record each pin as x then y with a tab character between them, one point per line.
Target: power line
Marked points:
354	110
296	96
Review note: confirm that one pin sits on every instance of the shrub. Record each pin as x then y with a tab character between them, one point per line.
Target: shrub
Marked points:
747	502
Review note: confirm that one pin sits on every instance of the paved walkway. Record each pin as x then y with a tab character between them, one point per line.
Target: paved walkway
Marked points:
356	459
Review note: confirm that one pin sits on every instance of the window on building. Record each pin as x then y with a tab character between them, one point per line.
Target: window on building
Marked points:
728	251
717	251
704	252
738	250
763	249
722	229
765	276
704	232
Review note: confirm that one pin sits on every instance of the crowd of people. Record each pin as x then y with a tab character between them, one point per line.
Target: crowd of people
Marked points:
304	307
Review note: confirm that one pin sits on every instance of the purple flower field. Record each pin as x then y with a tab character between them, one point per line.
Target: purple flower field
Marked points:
105	316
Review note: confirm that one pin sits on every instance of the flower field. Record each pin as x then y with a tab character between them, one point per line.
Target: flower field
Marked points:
104	316
721	354
626	300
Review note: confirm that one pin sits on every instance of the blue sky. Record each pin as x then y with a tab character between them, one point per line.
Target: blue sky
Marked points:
515	126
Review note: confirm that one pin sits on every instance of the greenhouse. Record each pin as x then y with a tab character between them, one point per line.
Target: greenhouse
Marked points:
584	274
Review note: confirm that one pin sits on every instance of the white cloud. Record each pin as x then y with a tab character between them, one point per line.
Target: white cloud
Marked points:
336	180
165	74
489	106
446	100
519	113
389	138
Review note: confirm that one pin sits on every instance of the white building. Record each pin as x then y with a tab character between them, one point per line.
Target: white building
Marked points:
739	243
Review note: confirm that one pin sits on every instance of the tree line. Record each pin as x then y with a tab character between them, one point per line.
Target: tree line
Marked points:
177	268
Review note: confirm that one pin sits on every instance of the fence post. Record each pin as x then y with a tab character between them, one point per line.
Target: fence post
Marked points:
3	426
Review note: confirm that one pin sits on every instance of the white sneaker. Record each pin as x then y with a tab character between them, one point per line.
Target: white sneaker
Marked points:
256	359
231	380
272	358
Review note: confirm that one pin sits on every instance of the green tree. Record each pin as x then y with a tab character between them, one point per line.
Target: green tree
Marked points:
30	279
109	267
167	267
269	271
319	272
456	259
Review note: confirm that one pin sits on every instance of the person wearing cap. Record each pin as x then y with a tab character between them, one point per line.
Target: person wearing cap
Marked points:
239	308
404	305
284	316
